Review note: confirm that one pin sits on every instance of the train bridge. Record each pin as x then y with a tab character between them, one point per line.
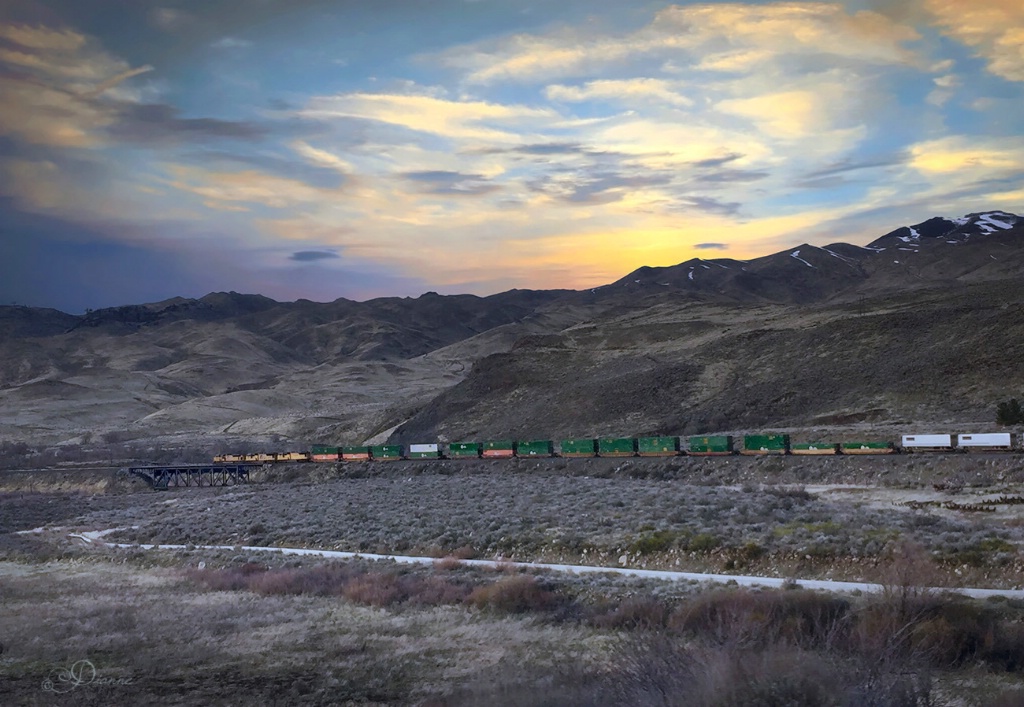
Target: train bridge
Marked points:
166	476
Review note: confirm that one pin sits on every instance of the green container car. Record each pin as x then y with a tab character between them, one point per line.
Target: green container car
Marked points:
578	447
867	448
386	452
814	448
657	446
355	454
463	450
323	453
765	444
616	447
536	448
499	449
710	445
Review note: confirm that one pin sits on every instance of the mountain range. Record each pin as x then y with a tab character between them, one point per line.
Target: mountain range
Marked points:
922	327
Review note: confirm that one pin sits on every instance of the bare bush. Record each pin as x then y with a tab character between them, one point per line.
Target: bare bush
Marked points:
517	594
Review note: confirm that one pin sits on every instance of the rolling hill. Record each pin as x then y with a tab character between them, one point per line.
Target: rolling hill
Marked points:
922	326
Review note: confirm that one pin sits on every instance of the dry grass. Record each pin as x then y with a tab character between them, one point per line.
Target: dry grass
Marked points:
377	633
181	643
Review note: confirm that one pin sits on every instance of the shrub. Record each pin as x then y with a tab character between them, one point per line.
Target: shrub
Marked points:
658	541
748	617
515	595
633	613
1009	412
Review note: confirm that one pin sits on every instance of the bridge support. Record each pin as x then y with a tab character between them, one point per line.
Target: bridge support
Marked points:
163	477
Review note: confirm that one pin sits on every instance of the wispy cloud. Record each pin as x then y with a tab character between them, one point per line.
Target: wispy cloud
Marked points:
312	256
451	183
623	91
688	34
231	43
463	120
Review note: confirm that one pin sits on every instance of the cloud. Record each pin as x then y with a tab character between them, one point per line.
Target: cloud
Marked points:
552	148
443	182
461	120
115	80
46	79
800	112
966	157
60	89
312	172
707	204
711	246
245	189
625	90
846	166
945	88
170	19
322	158
231	43
310	256
993	28
159	122
718	161
692	34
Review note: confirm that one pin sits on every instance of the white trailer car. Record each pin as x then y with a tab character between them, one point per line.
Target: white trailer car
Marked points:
924	443
992	440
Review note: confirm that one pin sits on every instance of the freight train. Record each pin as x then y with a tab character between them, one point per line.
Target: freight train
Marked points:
706	445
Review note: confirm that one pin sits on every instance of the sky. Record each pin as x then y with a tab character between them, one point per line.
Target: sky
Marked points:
355	148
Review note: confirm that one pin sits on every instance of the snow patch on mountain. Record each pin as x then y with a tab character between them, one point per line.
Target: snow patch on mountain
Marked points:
990	224
848	261
796	254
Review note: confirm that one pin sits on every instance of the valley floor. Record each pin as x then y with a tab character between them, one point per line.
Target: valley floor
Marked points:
235	625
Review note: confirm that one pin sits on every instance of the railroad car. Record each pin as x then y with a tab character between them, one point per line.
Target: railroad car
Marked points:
424	451
322	453
992	442
464	450
616	447
815	448
501	449
355	454
765	444
535	448
657	446
867	448
292	457
928	443
577	448
710	445
386	452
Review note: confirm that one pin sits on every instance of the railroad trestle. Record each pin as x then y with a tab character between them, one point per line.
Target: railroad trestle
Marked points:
163	477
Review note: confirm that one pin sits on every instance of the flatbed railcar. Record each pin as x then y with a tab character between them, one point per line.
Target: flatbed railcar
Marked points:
813	448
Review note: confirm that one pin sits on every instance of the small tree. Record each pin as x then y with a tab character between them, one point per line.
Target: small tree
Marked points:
1009	412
